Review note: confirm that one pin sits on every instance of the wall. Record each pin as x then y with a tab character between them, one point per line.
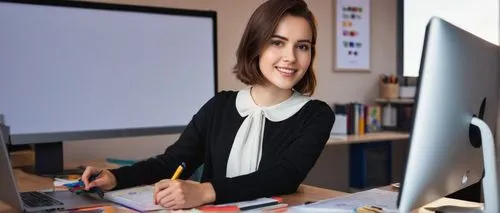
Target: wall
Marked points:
231	20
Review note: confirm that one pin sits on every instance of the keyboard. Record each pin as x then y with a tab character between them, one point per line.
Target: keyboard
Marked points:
38	199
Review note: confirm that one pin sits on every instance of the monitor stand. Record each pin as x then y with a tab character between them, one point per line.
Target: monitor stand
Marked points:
490	184
49	161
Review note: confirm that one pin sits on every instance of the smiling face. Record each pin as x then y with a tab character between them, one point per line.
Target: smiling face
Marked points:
287	55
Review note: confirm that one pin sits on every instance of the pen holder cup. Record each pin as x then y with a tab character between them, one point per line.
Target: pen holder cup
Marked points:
389	91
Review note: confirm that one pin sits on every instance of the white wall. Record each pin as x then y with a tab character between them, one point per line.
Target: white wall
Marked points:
477	17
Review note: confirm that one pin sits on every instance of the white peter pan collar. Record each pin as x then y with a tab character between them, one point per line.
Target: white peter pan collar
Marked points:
246	151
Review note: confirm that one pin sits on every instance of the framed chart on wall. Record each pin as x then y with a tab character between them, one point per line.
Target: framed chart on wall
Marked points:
353	35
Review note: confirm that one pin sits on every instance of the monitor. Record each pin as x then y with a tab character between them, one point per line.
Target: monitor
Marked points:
72	70
455	111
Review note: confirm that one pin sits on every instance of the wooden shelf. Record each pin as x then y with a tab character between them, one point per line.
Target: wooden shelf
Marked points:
22	158
395	101
368	137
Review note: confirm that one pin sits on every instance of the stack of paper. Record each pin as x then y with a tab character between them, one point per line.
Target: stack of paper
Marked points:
386	200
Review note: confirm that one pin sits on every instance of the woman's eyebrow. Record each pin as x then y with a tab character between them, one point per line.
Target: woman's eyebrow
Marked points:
304	41
280	37
286	39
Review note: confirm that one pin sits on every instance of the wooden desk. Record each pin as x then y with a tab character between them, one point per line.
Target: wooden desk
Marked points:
305	193
368	137
441	202
332	169
448	201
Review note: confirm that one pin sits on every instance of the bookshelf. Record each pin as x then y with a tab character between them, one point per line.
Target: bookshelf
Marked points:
371	159
368	137
395	101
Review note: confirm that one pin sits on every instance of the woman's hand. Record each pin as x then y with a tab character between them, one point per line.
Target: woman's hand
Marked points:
181	194
105	180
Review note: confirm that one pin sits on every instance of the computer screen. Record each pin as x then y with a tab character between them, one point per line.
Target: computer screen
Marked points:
458	81
74	70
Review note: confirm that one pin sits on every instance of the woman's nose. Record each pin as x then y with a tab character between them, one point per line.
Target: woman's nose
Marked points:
288	55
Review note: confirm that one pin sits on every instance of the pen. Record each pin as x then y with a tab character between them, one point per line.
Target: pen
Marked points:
97	189
178	171
92	177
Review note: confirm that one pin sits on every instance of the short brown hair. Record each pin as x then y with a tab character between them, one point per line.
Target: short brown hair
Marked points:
259	30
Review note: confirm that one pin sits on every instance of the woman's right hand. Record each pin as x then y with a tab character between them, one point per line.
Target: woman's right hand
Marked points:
105	180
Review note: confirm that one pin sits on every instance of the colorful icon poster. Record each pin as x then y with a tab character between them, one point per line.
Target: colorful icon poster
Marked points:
353	35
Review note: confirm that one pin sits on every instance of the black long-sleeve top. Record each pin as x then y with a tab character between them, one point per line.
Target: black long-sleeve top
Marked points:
289	151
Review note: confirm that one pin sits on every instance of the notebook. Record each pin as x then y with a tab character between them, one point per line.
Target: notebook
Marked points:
141	198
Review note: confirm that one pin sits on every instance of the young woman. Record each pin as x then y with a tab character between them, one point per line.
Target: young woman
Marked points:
257	142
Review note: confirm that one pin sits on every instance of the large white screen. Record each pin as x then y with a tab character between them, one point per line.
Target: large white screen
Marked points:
479	17
73	69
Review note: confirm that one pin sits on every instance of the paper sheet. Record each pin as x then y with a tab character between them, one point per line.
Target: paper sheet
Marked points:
139	198
374	197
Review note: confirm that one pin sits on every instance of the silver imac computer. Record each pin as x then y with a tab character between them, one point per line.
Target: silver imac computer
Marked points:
451	142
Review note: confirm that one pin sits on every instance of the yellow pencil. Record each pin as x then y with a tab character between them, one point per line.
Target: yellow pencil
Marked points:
369	209
178	171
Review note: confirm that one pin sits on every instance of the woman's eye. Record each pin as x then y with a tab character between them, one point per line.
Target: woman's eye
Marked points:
303	47
277	42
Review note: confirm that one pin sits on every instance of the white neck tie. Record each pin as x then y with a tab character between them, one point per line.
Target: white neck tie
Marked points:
246	151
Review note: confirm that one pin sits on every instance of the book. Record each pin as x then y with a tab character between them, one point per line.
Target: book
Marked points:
373	118
340	127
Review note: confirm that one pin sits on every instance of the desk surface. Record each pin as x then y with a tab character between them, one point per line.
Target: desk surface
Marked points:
441	202
305	193
28	182
368	137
